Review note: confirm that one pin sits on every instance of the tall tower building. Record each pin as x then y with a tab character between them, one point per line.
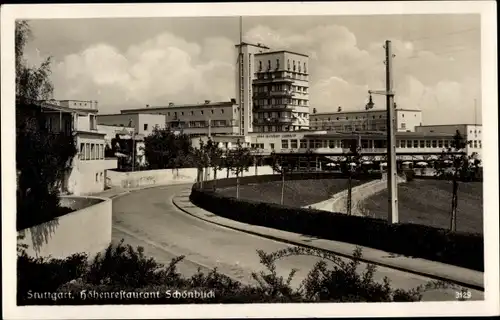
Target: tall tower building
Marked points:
280	92
245	73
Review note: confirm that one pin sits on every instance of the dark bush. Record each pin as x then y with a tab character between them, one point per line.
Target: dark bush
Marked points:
457	248
127	272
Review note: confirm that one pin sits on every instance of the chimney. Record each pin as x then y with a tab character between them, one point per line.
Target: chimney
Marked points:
170	104
147	106
207	101
314	110
339	109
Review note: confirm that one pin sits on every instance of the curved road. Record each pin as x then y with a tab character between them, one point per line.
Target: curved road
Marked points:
149	219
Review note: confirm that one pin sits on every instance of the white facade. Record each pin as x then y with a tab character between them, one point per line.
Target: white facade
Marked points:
245	73
281	92
470	132
365	120
197	119
143	123
88	172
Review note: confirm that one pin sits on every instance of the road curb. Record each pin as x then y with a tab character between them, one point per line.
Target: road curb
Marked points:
297	243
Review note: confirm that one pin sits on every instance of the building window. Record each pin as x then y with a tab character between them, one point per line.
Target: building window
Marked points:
415	143
284	144
293	144
145	127
440	143
168	114
475	143
305	68
427	143
97	177
422	144
303	143
434	143
82	151
92	152
102	176
271	145
221	110
446	144
403	143
403	125
201	111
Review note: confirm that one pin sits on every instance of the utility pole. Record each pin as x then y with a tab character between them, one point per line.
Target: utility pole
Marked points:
392	182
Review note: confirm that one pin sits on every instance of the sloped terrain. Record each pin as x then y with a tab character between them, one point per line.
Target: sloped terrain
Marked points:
298	193
428	202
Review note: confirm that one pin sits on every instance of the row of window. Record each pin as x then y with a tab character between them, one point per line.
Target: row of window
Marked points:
265	115
278	101
361	127
282	87
276	128
91	151
306	143
192	113
295	66
213	123
315	119
281	75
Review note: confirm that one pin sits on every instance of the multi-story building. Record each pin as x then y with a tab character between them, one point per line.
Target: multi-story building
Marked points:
280	92
245	74
197	119
470	132
143	123
367	120
88	172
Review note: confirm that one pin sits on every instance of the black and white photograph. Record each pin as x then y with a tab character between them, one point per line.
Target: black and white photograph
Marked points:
250	159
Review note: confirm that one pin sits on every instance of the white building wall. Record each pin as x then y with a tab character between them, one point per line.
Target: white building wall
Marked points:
148	122
244	75
408	120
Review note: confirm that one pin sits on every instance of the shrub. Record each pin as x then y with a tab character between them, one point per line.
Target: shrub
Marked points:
127	272
457	248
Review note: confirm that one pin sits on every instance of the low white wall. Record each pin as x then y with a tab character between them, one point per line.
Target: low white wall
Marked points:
85	230
338	202
171	176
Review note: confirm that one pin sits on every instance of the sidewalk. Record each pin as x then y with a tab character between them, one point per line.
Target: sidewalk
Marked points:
436	270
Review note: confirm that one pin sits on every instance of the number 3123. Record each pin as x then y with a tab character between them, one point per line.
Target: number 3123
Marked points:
463	294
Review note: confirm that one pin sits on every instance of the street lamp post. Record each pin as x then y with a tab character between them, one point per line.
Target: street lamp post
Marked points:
392	183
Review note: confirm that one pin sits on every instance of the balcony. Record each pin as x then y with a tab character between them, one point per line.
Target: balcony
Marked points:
274	107
273	120
274	80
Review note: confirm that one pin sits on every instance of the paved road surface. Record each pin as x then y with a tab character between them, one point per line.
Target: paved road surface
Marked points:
148	218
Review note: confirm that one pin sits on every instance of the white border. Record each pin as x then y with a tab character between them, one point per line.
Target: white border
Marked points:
487	10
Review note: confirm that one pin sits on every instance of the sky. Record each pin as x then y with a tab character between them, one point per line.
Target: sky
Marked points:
130	62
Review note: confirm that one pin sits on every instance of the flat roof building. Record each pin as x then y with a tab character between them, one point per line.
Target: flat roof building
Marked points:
197	119
281	91
364	120
143	123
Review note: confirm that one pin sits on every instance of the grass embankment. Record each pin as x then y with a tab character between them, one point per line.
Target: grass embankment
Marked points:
428	202
298	193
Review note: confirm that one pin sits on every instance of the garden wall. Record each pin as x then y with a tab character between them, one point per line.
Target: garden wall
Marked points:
88	229
460	249
170	176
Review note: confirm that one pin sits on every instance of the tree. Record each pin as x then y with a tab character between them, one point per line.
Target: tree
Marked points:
352	160
457	167
201	161
240	160
215	158
164	149
283	167
43	157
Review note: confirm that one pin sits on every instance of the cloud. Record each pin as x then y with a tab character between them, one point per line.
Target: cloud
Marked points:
169	68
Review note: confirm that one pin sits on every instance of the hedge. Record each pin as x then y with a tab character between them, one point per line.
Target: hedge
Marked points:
458	248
